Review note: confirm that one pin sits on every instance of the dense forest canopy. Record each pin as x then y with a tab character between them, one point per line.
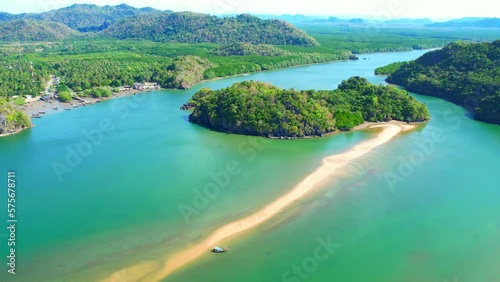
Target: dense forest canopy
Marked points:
93	63
86	64
188	27
22	77
467	74
30	30
247	49
389	39
84	17
126	22
257	108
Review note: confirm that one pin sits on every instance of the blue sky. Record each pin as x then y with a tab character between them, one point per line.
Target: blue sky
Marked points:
374	9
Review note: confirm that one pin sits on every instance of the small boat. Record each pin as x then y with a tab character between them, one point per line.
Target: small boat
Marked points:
68	109
35	116
220	250
55	108
42	113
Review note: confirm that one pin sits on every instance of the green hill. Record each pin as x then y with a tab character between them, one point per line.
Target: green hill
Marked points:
256	108
4	17
30	30
185	72
187	27
86	17
467	74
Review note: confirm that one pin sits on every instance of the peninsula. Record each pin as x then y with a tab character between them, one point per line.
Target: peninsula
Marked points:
12	118
467	74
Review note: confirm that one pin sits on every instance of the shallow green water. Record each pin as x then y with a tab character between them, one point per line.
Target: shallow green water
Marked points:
423	207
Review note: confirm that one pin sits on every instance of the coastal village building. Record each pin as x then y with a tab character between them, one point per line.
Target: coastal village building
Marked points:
138	86
30	99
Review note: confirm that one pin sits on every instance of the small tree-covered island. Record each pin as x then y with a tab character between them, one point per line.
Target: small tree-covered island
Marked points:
261	109
467	74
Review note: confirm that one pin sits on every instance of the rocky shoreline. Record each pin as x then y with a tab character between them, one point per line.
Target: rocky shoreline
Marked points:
16	131
41	108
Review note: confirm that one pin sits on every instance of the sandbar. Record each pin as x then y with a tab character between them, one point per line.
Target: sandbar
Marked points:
329	165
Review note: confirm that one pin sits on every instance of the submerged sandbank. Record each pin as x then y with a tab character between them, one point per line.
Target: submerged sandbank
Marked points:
329	165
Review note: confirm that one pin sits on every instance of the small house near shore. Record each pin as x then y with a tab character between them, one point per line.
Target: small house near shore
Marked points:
30	99
138	86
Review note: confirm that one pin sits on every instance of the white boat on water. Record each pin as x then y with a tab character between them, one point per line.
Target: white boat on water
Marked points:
220	250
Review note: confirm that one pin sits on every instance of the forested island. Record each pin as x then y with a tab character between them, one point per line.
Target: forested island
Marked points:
256	108
467	74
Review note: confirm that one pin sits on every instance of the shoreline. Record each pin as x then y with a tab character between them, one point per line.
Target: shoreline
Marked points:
329	166
311	64
17	131
35	107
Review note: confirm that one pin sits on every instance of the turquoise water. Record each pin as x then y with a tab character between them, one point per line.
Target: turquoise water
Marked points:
423	207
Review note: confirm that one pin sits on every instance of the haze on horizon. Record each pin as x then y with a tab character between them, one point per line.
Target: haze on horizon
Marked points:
368	9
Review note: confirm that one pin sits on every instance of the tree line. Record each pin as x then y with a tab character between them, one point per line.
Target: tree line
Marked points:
467	74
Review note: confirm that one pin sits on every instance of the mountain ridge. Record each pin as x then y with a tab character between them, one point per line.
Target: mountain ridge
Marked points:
126	22
189	27
83	17
466	74
34	30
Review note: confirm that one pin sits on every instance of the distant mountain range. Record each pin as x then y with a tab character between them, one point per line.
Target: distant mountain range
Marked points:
455	23
303	19
30	30
470	22
124	22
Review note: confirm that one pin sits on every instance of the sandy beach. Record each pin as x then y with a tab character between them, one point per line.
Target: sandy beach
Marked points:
329	166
